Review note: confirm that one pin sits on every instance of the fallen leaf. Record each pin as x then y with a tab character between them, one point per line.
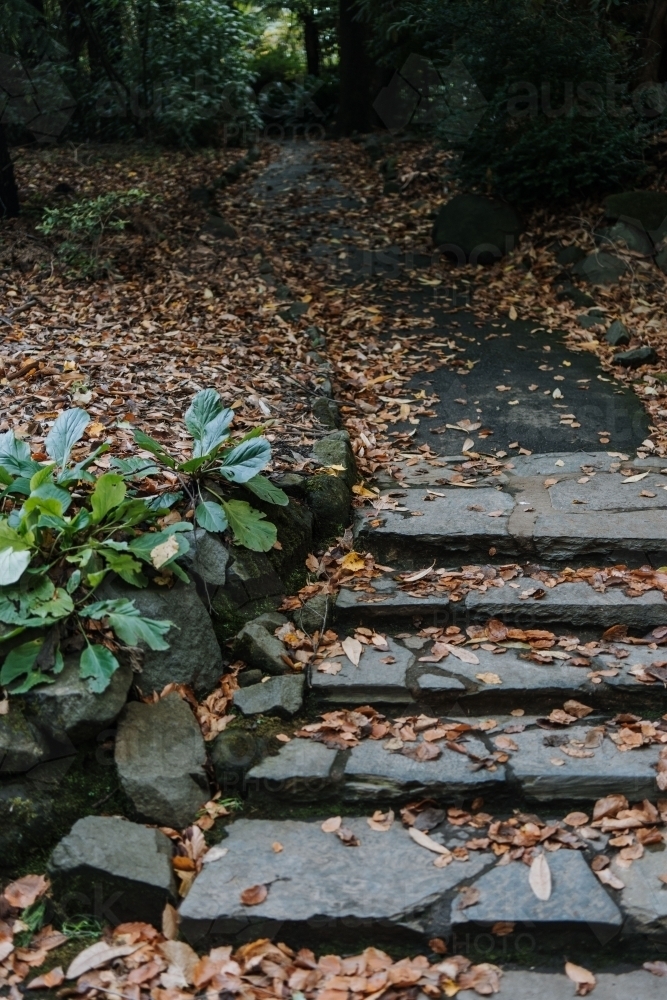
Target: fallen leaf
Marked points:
502	928
461	654
25	891
468	896
353	562
352	649
419	575
576	819
331	825
379	821
585	980
488	678
255	895
96	955
277	847
47	982
429	843
539	877
163	552
577	709
635	479
347	837
658	968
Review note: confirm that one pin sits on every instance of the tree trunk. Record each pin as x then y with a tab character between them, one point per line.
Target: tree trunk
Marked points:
355	69
9	196
311	37
655	43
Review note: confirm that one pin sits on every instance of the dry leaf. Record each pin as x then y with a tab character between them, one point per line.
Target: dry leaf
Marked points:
97	955
163	552
658	968
352	649
502	928
460	653
254	895
170	919
25	891
48	981
331	825
607	877
353	562
379	821
634	479
429	843
468	896
277	847
576	819
419	575
488	678
539	877
585	980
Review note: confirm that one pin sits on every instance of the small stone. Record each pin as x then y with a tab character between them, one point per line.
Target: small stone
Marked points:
21	746
250	578
200	195
281	696
257	645
636	357
590	319
644	898
646	208
601	268
69	707
373	680
160	757
315	614
335	449
617	334
207	558
301	767
316	337
633	237
292	484
330	499
327	412
249	677
233	753
114	870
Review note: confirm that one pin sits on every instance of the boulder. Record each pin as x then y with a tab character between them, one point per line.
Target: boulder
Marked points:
315	614
281	696
476	229
335	449
114	870
68	706
633	237
601	268
249	676
617	335
22	746
647	208
592	318
160	757
330	500
257	645
233	753
206	559
194	655
327	412
252	586
636	357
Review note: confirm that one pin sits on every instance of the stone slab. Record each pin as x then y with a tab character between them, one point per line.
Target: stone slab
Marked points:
561	463
576	897
316	883
573	604
564	536
555	986
441	525
644	897
387	601
281	696
375	774
302	767
631	773
608	492
372	680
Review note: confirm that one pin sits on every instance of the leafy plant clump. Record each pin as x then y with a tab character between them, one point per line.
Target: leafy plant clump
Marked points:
57	546
215	466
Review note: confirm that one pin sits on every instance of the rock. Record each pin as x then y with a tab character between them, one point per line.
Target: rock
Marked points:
577	896
316	337
113	870
295	534
22	747
327	412
570	255
160	757
617	335
644	898
206	559
253	586
302	767
476	229
315	614
281	696
257	645
387	880
296	310
335	449
68	707
648	208
201	195
637	357
386	602
371	682
601	268
330	500
292	484
632	237
233	753
661	260
590	319
194	655
249	677
566	290
219	228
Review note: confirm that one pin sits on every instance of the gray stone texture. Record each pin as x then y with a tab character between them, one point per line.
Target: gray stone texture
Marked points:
565	536
608	492
617	335
372	680
316	882
644	208
193	656
281	696
386	601
329	498
21	746
250	578
207	558
576	896
160	757
631	773
257	645
644	897
375	774
525	985
233	753
601	268
572	461
637	357
335	449
114	870
316	613
68	706
302	767
624	233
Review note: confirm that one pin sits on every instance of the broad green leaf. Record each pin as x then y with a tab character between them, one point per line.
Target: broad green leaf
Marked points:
58	663
135	468
202	410
10	538
214	434
249	527
163	501
109	492
59	606
150	444
266	490
54	522
20	486
146	543
133	629
80	521
78	471
48	498
125	566
19	661
211	516
43	476
12	565
73	582
246	460
97	666
15	456
94	579
66	431
129	513
5	478
193	464
31	680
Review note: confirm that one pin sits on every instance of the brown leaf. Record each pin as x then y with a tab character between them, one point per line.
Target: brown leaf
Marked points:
585	980
576	819
347	837
25	891
658	968
468	896
254	895
539	877
422	751
610	805
502	928
429	843
331	825
616	633
381	822
47	981
577	709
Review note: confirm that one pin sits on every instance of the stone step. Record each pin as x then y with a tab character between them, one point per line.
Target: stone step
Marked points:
389	885
539	764
574	605
528	985
498	681
562	521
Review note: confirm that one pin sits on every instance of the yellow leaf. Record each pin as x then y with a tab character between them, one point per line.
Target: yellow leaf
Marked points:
353	562
163	552
512	313
488	678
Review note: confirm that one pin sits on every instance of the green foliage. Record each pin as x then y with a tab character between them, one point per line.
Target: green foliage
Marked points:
81	226
58	542
214	465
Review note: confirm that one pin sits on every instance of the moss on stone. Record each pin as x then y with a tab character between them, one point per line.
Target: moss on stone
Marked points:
330	499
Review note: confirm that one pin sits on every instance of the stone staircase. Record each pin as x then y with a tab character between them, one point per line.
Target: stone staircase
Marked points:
516	764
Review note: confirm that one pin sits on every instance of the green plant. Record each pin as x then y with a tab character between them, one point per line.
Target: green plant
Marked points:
57	546
215	465
83	224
